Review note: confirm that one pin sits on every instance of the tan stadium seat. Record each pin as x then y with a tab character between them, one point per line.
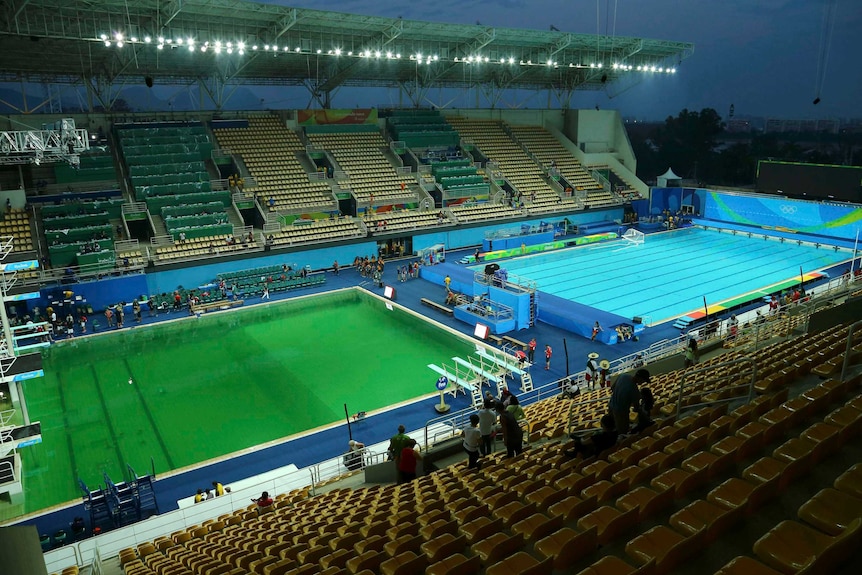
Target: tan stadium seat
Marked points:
746	566
790	547
701	515
831	511
664	546
567	546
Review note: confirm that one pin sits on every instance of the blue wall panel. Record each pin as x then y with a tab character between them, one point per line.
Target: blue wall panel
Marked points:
99	294
321	258
461	238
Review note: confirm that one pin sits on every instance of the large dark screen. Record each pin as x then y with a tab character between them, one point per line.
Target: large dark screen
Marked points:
811	181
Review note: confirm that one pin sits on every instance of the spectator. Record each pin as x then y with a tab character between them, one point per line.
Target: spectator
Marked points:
513	437
472	442
199	496
487	423
625	395
407	462
598	441
264	500
396	444
218	488
515	408
353	457
691	353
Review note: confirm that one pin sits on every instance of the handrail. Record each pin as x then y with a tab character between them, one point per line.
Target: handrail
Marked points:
850	331
690	373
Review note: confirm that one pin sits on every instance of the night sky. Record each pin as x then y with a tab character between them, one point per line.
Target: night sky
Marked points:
759	55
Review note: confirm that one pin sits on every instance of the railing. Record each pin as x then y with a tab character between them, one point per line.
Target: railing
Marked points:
689	375
334	467
597	176
448	426
133	208
110	543
7	472
78	273
846	364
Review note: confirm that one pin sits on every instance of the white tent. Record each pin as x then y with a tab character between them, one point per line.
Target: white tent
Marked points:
668	180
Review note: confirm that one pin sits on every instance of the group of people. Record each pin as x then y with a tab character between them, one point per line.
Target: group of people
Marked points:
629	393
207	493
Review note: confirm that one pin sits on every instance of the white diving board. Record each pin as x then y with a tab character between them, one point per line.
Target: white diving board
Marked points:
453	378
477	369
512	367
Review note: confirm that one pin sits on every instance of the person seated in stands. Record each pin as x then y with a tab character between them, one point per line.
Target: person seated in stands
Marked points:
597	442
569	390
250	238
353	457
264	500
620	335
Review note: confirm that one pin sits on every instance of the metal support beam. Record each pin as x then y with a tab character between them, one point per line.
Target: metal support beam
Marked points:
378	42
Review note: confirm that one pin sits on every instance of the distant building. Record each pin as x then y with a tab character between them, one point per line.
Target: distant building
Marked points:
738	125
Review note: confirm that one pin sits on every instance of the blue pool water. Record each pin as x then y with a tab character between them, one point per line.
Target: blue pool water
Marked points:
670	273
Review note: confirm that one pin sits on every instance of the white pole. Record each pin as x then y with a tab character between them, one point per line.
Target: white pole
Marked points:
853	261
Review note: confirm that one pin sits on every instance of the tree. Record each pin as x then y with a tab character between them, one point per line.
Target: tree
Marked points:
687	143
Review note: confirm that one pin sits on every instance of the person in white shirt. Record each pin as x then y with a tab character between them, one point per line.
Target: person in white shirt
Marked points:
487	423
472	441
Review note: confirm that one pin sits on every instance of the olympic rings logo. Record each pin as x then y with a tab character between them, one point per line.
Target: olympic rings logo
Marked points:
788	209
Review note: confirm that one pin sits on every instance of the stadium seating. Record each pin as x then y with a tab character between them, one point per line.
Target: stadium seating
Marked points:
518	168
370	173
315	231
547	148
269	151
17	224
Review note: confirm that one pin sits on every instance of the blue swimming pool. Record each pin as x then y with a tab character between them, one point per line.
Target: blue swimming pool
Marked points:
670	273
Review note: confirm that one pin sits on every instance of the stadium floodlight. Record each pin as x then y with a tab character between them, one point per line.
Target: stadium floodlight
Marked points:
161	46
230	50
436	57
600	65
254	47
108	43
133	39
240	45
298	49
350	53
103	36
229	44
550	62
147	39
338	51
120	44
511	60
178	41
377	54
118	36
319	51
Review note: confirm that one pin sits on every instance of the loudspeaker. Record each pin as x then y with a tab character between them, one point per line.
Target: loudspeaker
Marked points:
637	319
148	80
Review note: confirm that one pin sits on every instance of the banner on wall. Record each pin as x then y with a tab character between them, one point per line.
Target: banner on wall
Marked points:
324	117
824	219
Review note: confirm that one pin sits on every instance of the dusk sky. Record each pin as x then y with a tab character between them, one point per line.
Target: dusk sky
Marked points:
759	55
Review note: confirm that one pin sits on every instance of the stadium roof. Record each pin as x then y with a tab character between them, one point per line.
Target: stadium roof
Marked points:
239	42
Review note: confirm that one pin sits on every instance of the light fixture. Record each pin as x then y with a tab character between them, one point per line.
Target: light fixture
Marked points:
103	36
350	53
338	51
511	60
377	54
178	41
107	42
298	49
254	47
161	46
319	50
147	39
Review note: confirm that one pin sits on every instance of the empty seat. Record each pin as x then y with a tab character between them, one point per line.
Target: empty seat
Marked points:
791	547
831	511
665	546
521	564
567	546
746	566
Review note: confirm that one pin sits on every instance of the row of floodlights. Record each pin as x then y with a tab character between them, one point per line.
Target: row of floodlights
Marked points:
218	46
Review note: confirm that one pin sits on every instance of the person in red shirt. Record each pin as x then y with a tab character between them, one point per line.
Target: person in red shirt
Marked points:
408	461
548	353
264	500
531	352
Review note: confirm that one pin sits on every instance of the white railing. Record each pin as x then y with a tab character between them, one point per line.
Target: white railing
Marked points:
111	542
